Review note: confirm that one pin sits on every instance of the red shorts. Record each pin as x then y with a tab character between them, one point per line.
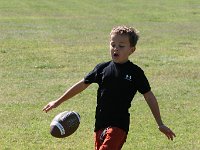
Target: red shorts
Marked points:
111	138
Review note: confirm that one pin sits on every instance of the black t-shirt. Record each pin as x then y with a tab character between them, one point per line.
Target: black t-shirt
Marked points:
118	83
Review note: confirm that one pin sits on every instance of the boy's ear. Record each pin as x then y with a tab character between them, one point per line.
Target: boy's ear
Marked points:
133	49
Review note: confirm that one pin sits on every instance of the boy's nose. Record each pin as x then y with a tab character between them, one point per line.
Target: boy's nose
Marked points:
116	48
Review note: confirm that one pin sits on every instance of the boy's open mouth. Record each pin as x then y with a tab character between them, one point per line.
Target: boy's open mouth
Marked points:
115	55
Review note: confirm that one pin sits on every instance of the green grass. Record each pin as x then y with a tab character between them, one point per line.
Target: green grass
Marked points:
46	46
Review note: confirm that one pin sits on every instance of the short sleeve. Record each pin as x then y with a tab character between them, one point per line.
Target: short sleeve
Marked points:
91	77
143	85
95	76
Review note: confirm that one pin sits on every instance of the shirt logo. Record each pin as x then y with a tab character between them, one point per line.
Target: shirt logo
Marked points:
128	77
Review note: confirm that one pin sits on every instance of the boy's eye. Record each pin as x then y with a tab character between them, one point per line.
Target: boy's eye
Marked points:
112	45
120	46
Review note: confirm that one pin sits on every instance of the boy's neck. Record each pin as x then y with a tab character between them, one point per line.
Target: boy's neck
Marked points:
122	63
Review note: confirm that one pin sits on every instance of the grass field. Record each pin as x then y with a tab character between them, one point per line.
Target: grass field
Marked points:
47	45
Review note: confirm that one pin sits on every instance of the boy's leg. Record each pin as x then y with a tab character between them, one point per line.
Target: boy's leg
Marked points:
113	139
97	139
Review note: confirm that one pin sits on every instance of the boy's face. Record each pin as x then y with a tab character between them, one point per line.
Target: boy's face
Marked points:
120	48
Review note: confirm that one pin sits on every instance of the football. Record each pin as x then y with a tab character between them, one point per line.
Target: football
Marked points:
64	124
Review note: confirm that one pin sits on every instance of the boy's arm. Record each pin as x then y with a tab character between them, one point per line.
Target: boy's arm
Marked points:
75	89
153	104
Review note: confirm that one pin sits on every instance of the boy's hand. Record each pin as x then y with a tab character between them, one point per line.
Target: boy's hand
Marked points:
167	131
50	106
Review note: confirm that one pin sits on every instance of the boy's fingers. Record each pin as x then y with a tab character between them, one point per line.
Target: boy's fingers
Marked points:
168	132
171	135
46	108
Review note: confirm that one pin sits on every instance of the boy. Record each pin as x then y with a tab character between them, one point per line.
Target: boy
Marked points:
118	80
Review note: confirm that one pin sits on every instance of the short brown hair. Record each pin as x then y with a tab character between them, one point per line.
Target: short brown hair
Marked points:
130	31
